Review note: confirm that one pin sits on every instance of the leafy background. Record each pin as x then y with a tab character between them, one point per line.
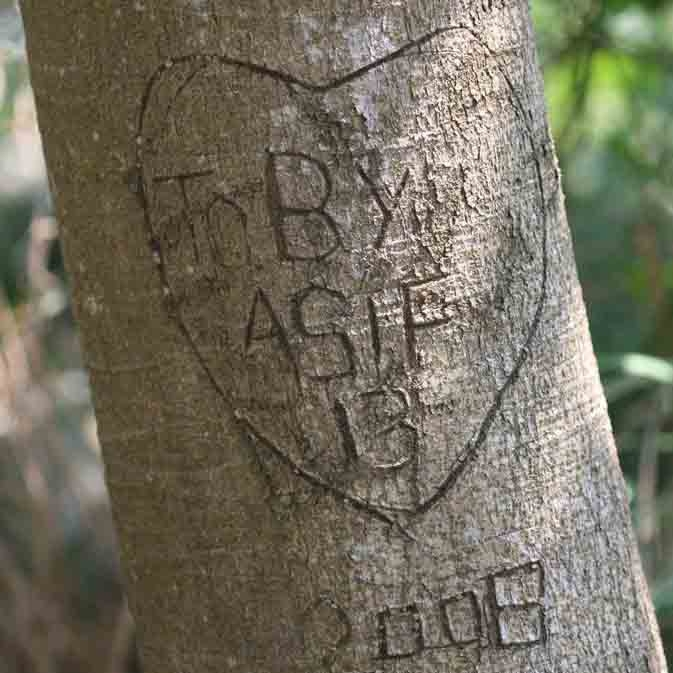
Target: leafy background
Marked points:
609	74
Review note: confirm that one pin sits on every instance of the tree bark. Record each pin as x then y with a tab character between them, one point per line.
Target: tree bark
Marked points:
349	408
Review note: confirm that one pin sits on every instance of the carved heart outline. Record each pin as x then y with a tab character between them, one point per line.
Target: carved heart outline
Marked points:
469	453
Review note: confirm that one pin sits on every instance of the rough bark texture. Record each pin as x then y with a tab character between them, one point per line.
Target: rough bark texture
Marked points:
350	411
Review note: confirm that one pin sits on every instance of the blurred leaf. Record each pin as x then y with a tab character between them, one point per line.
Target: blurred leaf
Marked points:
662	595
646	367
621	388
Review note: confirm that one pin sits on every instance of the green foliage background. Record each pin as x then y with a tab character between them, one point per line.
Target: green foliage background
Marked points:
608	68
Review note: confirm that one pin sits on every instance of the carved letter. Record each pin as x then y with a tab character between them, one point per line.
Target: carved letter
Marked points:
298	189
518	598
214	232
461	618
174	235
227	233
400	632
328	353
386	201
425	306
264	325
375	431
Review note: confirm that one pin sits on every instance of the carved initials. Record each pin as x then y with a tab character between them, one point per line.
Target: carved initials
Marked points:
215	232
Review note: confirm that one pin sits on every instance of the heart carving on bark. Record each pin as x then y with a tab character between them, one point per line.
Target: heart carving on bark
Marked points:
359	264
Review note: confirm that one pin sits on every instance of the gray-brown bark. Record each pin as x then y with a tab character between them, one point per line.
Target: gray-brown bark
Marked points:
349	407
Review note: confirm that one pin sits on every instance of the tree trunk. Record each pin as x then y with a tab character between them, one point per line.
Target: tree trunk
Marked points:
349	407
